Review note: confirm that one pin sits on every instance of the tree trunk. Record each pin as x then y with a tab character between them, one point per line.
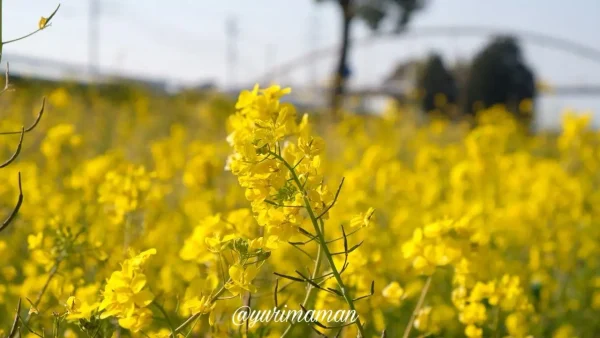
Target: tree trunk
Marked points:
0	30
339	82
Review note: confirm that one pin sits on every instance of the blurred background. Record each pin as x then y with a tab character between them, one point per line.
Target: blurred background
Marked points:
230	45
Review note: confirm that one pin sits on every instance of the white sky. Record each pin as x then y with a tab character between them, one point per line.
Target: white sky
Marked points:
185	40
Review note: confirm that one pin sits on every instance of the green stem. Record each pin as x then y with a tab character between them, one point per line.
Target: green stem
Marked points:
29	328
193	317
323	243
32	33
418	307
309	292
23	37
164	313
497	323
37	301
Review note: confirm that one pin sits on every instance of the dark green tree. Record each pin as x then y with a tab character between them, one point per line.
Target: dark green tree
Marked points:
437	86
499	75
374	13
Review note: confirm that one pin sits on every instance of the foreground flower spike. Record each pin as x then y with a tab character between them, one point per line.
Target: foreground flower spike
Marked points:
259	129
285	185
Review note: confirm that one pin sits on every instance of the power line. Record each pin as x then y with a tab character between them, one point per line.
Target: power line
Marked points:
543	40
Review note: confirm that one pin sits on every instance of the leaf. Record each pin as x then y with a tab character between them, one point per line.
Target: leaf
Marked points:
43	23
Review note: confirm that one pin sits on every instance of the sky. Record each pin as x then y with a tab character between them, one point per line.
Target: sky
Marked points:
186	41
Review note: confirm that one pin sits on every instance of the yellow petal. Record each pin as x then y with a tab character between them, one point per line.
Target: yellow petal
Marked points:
143	298
250	273
236	272
42	23
138	283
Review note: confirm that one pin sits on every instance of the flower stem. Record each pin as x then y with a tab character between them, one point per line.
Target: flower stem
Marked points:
322	242
164	313
193	317
418	307
309	292
37	301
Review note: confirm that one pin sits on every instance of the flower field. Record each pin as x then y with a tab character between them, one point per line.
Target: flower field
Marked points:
146	215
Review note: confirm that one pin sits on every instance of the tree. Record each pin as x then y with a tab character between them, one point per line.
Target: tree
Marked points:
372	12
499	75
438	86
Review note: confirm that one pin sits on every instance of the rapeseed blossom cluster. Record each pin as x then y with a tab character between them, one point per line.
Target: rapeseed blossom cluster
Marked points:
160	216
126	295
260	131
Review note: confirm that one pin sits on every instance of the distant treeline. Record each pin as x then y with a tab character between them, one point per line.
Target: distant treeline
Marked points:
497	75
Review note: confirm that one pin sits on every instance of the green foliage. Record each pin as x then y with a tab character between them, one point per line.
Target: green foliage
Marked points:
374	12
399	12
438	84
499	75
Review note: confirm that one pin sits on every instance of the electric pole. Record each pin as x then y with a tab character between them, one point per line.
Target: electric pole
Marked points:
93	37
270	58
313	44
232	35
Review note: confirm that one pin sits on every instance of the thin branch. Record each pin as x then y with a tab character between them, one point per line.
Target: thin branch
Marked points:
46	25
53	272
25	36
192	318
307	234
35	123
17	151
29	328
6	77
368	295
258	260
308	297
226	298
167	319
343	236
326	252
329	241
297	164
337	194
345	252
283	205
275	301
344	267
418	307
345	247
14	328
279	290
13	214
327	275
315	285
292	278
192	327
319	333
295	245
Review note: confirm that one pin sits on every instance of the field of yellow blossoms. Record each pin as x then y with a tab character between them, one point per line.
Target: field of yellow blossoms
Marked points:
152	216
